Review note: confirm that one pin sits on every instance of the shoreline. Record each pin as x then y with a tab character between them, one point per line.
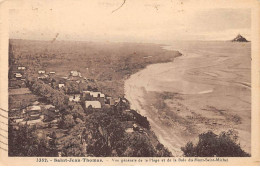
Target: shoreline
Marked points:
136	105
172	105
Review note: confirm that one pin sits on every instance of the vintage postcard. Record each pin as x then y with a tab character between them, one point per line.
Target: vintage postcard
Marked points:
129	82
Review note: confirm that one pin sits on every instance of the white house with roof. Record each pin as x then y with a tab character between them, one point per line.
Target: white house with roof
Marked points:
21	68
94	104
18	75
49	106
52	73
75	73
42	76
86	91
61	85
95	94
41	71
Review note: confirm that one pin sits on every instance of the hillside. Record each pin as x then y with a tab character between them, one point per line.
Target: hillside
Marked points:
62	126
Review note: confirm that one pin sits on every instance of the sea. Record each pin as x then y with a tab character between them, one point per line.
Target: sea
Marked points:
213	80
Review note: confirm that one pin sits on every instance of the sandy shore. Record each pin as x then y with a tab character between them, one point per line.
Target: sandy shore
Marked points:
208	88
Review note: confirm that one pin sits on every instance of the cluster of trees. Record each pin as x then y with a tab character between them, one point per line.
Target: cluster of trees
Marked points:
57	98
102	135
25	141
210	145
71	112
133	115
141	120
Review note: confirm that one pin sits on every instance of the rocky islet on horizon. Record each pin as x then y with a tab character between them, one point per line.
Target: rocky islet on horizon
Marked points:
240	38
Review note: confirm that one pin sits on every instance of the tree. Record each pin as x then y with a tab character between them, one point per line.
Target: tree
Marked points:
26	141
210	145
72	87
141	120
77	111
139	145
104	133
67	121
73	147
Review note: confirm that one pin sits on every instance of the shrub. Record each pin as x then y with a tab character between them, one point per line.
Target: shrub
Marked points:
67	122
141	120
210	145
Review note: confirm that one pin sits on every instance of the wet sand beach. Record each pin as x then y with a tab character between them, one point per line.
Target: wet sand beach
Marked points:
208	88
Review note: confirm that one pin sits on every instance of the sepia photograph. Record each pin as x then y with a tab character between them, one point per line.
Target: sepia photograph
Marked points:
129	78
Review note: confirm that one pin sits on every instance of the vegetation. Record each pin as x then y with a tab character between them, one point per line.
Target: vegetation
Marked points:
210	145
83	131
57	98
103	135
25	141
90	132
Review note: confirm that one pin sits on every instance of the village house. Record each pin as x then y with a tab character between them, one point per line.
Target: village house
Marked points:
130	127
95	94
49	106
75	73
21	68
18	75
93	104
42	76
75	98
41	71
61	85
52	73
86	92
98	96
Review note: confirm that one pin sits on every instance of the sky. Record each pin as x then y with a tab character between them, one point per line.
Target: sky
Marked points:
136	21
